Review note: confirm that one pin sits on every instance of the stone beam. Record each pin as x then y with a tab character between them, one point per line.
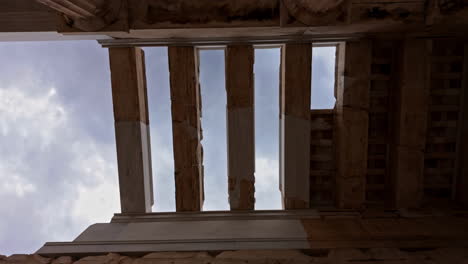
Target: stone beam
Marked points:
186	128
132	129
295	88
352	121
412	99
240	126
81	9
231	19
87	15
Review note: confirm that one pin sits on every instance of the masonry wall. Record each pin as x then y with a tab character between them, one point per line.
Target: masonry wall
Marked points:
355	256
322	160
440	177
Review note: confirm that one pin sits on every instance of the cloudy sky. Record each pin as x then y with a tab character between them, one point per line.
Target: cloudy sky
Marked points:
58	168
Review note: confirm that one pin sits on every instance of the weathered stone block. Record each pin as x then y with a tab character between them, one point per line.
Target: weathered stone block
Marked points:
262	257
387	254
448	255
175	258
110	258
63	260
342	255
27	259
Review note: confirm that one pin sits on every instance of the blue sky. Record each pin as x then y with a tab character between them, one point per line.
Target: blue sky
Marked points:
58	168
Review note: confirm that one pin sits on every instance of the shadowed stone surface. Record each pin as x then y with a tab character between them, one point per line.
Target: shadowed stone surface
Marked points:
368	256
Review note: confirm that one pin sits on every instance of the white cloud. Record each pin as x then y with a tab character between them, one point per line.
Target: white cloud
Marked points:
267	184
14	183
163	174
24	118
54	178
323	76
31	116
326	55
98	201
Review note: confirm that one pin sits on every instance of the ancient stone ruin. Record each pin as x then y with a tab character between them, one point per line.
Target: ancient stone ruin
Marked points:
380	178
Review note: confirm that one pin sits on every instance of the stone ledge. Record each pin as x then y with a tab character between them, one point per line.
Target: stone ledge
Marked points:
290	231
